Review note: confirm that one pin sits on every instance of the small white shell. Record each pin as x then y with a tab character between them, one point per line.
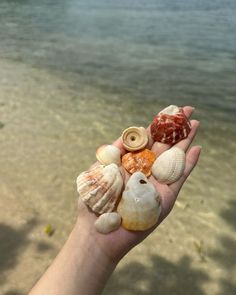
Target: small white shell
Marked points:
134	138
100	187
139	206
107	222
169	166
107	154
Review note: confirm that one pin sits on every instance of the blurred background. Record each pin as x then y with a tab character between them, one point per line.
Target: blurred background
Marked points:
73	75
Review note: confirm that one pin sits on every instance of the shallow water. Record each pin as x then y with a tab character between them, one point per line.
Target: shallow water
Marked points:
67	65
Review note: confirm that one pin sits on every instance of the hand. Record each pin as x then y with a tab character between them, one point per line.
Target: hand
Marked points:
88	258
116	244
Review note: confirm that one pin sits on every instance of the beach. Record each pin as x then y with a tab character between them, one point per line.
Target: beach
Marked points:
109	67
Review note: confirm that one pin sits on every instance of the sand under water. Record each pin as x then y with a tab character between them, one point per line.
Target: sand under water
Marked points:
46	106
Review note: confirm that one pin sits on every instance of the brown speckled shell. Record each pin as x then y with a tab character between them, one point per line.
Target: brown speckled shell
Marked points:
139	161
170	129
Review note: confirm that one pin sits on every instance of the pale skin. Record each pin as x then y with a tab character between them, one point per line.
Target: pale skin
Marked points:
88	258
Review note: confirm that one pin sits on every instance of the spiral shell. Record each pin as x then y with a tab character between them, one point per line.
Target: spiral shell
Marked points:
108	222
139	161
170	125
100	187
169	166
139	206
107	154
134	138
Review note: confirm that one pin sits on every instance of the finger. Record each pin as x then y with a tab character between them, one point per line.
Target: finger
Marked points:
188	111
185	143
191	161
118	143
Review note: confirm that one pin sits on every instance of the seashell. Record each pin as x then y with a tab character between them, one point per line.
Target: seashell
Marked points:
107	154
139	206
169	166
139	161
108	222
134	138
100	187
170	125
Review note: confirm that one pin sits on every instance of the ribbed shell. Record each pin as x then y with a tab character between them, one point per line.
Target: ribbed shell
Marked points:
169	166
134	138
139	206
139	161
100	187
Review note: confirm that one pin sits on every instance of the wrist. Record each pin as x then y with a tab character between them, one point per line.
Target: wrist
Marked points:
90	258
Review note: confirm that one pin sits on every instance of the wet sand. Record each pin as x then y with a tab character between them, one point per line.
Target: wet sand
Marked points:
45	144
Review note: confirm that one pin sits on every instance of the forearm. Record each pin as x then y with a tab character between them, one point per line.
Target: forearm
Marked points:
80	268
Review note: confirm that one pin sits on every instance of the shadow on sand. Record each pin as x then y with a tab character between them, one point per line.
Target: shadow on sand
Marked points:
163	277
225	254
12	242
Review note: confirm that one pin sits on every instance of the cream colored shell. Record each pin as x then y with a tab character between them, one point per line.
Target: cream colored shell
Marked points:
169	166
134	138
139	206
108	222
100	187
107	154
170	110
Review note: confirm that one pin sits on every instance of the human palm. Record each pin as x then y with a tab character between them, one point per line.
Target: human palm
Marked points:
116	244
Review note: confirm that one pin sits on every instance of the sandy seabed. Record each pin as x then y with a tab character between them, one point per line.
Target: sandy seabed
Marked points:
45	144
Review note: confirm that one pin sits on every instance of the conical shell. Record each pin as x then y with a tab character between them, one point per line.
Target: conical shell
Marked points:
108	222
139	206
107	154
169	166
100	187
134	138
170	125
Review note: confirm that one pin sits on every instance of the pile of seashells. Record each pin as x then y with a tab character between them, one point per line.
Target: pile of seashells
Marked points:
136	205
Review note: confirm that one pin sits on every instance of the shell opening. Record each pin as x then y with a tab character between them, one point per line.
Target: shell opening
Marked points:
142	181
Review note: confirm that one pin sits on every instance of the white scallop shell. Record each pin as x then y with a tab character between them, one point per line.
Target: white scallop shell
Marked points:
169	166
134	138
139	206
100	187
107	222
107	154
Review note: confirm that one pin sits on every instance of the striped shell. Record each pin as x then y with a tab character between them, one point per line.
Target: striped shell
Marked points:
139	206
134	138
169	166
100	187
170	125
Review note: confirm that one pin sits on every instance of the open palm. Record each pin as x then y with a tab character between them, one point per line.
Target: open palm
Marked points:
116	244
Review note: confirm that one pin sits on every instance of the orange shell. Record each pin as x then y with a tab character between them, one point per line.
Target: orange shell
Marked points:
139	161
